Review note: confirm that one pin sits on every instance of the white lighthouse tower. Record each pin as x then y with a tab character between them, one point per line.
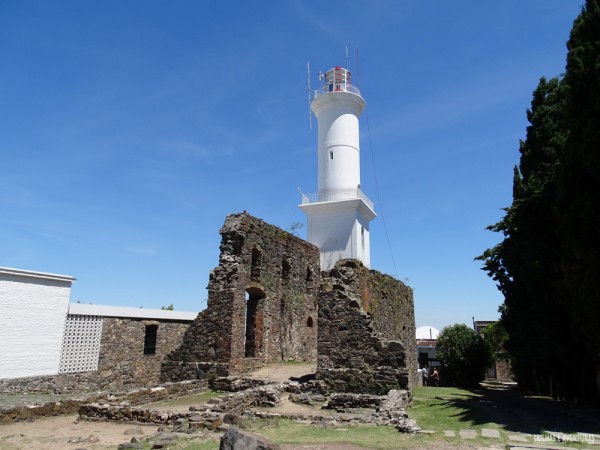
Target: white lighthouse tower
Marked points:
339	214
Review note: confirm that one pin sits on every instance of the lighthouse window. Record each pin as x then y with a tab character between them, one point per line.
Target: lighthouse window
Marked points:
331	155
362	237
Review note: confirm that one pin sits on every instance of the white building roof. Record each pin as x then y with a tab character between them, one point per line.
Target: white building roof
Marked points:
83	309
427	332
32	274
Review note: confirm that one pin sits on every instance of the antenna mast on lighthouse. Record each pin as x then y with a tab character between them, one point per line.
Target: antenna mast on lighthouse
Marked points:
309	111
346	57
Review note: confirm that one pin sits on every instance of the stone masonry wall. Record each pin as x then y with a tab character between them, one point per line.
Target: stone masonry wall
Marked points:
503	371
366	338
391	304
262	304
122	363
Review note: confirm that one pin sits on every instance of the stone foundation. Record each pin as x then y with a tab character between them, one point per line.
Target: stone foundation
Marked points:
351	409
31	410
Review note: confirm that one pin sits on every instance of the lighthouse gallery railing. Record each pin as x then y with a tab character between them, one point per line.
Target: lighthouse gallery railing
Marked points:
332	196
343	87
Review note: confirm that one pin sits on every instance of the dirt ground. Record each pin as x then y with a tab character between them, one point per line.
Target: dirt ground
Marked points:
66	433
283	372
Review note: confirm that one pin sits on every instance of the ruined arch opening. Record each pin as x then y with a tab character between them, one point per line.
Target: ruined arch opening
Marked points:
254	322
309	322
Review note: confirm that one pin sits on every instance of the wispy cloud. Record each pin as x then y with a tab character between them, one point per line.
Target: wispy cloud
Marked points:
185	149
314	19
143	250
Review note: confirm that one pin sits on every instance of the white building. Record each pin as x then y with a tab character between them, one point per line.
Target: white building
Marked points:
339	213
41	333
34	309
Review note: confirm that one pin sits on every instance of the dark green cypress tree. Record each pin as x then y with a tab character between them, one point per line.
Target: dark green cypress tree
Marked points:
526	263
578	192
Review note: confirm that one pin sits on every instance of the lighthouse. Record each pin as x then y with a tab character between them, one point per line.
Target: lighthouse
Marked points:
339	214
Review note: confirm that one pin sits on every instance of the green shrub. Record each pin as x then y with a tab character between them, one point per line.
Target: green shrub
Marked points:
465	356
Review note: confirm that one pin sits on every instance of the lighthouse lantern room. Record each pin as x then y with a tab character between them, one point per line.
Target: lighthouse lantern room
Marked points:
338	215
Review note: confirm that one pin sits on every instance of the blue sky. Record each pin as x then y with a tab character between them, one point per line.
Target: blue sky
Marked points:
129	130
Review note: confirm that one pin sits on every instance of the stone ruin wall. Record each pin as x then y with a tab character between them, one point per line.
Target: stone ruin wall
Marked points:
366	338
391	304
122	364
503	371
362	333
262	304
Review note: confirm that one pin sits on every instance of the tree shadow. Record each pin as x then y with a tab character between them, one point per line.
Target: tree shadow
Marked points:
517	411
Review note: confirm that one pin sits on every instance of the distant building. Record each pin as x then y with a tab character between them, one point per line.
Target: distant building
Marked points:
426	346
501	370
34	311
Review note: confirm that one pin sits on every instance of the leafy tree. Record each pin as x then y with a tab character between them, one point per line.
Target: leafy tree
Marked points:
168	308
496	336
465	356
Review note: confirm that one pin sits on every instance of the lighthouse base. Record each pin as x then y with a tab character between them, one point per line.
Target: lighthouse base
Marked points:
340	229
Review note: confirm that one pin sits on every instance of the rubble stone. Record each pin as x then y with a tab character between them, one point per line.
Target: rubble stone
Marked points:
236	439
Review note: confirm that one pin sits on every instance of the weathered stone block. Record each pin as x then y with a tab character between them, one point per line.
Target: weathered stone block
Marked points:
236	439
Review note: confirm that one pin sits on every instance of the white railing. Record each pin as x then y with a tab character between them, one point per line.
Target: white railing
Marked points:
332	196
342	87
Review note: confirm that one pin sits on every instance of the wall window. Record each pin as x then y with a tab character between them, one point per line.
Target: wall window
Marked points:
150	340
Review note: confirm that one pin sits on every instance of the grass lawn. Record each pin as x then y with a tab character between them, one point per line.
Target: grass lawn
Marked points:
445	408
369	436
194	399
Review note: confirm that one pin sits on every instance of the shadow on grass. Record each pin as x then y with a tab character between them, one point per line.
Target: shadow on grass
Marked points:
515	411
